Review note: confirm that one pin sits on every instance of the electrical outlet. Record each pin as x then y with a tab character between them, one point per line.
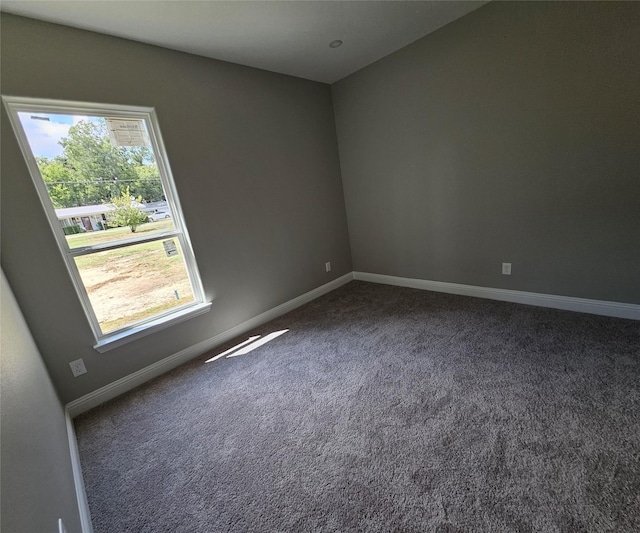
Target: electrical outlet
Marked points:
506	269
61	528
78	368
327	266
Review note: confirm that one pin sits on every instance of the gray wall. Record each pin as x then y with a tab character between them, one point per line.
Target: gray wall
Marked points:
255	161
510	135
37	480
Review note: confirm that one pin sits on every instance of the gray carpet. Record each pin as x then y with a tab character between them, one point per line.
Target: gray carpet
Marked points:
383	409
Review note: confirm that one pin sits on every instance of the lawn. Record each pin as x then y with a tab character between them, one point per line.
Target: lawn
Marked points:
90	238
129	284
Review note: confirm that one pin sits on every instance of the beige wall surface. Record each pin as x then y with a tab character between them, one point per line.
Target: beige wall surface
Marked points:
510	135
255	161
37	480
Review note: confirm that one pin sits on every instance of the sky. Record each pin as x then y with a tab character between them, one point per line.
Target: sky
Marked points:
44	135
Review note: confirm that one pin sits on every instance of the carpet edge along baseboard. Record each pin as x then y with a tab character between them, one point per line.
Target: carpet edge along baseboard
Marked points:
567	303
131	381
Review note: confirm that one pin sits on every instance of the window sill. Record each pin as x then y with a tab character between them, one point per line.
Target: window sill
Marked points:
124	337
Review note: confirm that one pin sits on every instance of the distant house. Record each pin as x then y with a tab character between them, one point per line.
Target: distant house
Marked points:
94	217
87	217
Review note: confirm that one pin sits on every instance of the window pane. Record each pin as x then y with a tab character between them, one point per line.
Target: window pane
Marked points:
101	176
135	283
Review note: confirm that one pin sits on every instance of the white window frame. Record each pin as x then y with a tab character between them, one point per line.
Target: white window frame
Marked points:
113	339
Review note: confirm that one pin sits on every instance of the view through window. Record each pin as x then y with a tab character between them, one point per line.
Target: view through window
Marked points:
109	196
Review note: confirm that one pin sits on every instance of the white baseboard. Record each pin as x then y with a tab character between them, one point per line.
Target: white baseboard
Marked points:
131	381
81	495
581	305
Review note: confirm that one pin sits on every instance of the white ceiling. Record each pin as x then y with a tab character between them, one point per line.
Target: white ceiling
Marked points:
290	37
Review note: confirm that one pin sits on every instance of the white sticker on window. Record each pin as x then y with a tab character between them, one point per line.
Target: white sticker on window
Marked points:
170	248
127	132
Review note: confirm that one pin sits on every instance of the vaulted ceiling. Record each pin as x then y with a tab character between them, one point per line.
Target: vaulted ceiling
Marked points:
290	37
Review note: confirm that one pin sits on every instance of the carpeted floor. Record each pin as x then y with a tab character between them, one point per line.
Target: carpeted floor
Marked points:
382	409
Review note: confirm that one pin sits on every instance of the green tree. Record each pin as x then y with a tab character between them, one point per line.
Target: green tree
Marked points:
140	155
148	184
58	178
91	170
126	212
92	157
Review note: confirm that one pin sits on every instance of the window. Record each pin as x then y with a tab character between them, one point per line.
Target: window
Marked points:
104	181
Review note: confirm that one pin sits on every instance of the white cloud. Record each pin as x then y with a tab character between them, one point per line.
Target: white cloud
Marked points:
44	135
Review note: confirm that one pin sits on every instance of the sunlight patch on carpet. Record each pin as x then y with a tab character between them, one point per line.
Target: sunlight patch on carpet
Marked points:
257	344
247	346
236	347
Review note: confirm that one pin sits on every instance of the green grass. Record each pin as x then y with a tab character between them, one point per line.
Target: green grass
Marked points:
80	240
147	256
